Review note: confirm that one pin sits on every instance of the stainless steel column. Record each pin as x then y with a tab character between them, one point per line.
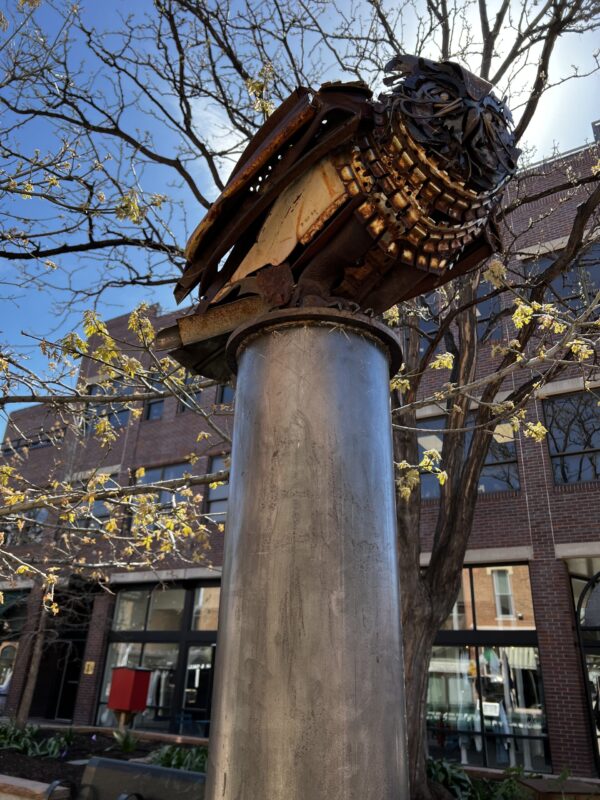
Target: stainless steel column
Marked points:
308	700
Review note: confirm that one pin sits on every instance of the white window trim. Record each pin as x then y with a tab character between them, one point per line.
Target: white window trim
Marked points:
499	615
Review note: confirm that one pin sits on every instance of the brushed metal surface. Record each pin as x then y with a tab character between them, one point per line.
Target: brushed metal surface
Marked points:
308	699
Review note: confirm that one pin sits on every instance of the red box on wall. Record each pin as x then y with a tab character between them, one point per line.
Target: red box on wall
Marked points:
129	689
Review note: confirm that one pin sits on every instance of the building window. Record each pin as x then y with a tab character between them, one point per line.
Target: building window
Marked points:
33	441
485	703
13	615
225	394
485	707
153	409
193	395
493	598
573	423
130	611
100	510
487	312
116	413
427	320
206	608
166	473
172	632
33	524
216	502
500	472
503	593
576	288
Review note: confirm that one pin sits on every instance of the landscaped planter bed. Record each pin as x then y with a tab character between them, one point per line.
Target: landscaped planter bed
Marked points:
83	746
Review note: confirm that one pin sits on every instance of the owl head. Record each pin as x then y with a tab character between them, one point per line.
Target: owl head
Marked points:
456	117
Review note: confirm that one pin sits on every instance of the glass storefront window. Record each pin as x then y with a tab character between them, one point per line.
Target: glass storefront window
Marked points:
8	655
592	661
170	631
485	707
130	611
119	654
166	609
461	617
452	714
206	608
502	600
513	707
162	660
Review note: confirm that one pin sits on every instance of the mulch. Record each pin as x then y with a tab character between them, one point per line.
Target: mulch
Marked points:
85	745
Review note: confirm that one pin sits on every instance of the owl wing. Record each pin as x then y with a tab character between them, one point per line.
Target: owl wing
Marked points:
304	129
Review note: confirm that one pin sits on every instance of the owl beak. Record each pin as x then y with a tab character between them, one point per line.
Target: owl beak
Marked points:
402	63
471	122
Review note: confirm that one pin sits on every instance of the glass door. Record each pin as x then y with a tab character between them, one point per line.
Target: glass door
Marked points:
197	690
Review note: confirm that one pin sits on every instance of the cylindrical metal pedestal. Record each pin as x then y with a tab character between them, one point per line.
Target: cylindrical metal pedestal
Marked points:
308	699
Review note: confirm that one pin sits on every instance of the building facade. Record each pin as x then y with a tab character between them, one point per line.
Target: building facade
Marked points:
513	681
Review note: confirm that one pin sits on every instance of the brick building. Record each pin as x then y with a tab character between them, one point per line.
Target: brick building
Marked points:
510	683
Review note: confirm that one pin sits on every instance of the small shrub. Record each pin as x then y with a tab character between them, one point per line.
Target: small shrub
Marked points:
192	759
126	740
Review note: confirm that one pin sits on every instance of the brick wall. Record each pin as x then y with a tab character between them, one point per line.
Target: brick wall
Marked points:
95	652
562	675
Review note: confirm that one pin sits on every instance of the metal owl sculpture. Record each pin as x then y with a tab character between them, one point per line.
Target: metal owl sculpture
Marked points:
342	200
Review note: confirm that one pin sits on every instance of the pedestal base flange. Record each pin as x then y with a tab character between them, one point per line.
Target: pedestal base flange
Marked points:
327	317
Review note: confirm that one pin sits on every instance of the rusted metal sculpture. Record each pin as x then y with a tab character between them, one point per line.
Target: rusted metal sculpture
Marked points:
340	200
339	205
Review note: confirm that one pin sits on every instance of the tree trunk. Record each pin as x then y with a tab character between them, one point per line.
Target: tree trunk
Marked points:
418	640
34	667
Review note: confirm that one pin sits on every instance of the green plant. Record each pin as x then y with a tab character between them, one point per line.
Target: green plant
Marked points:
69	737
15	738
27	740
462	787
192	759
451	777
126	740
55	746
